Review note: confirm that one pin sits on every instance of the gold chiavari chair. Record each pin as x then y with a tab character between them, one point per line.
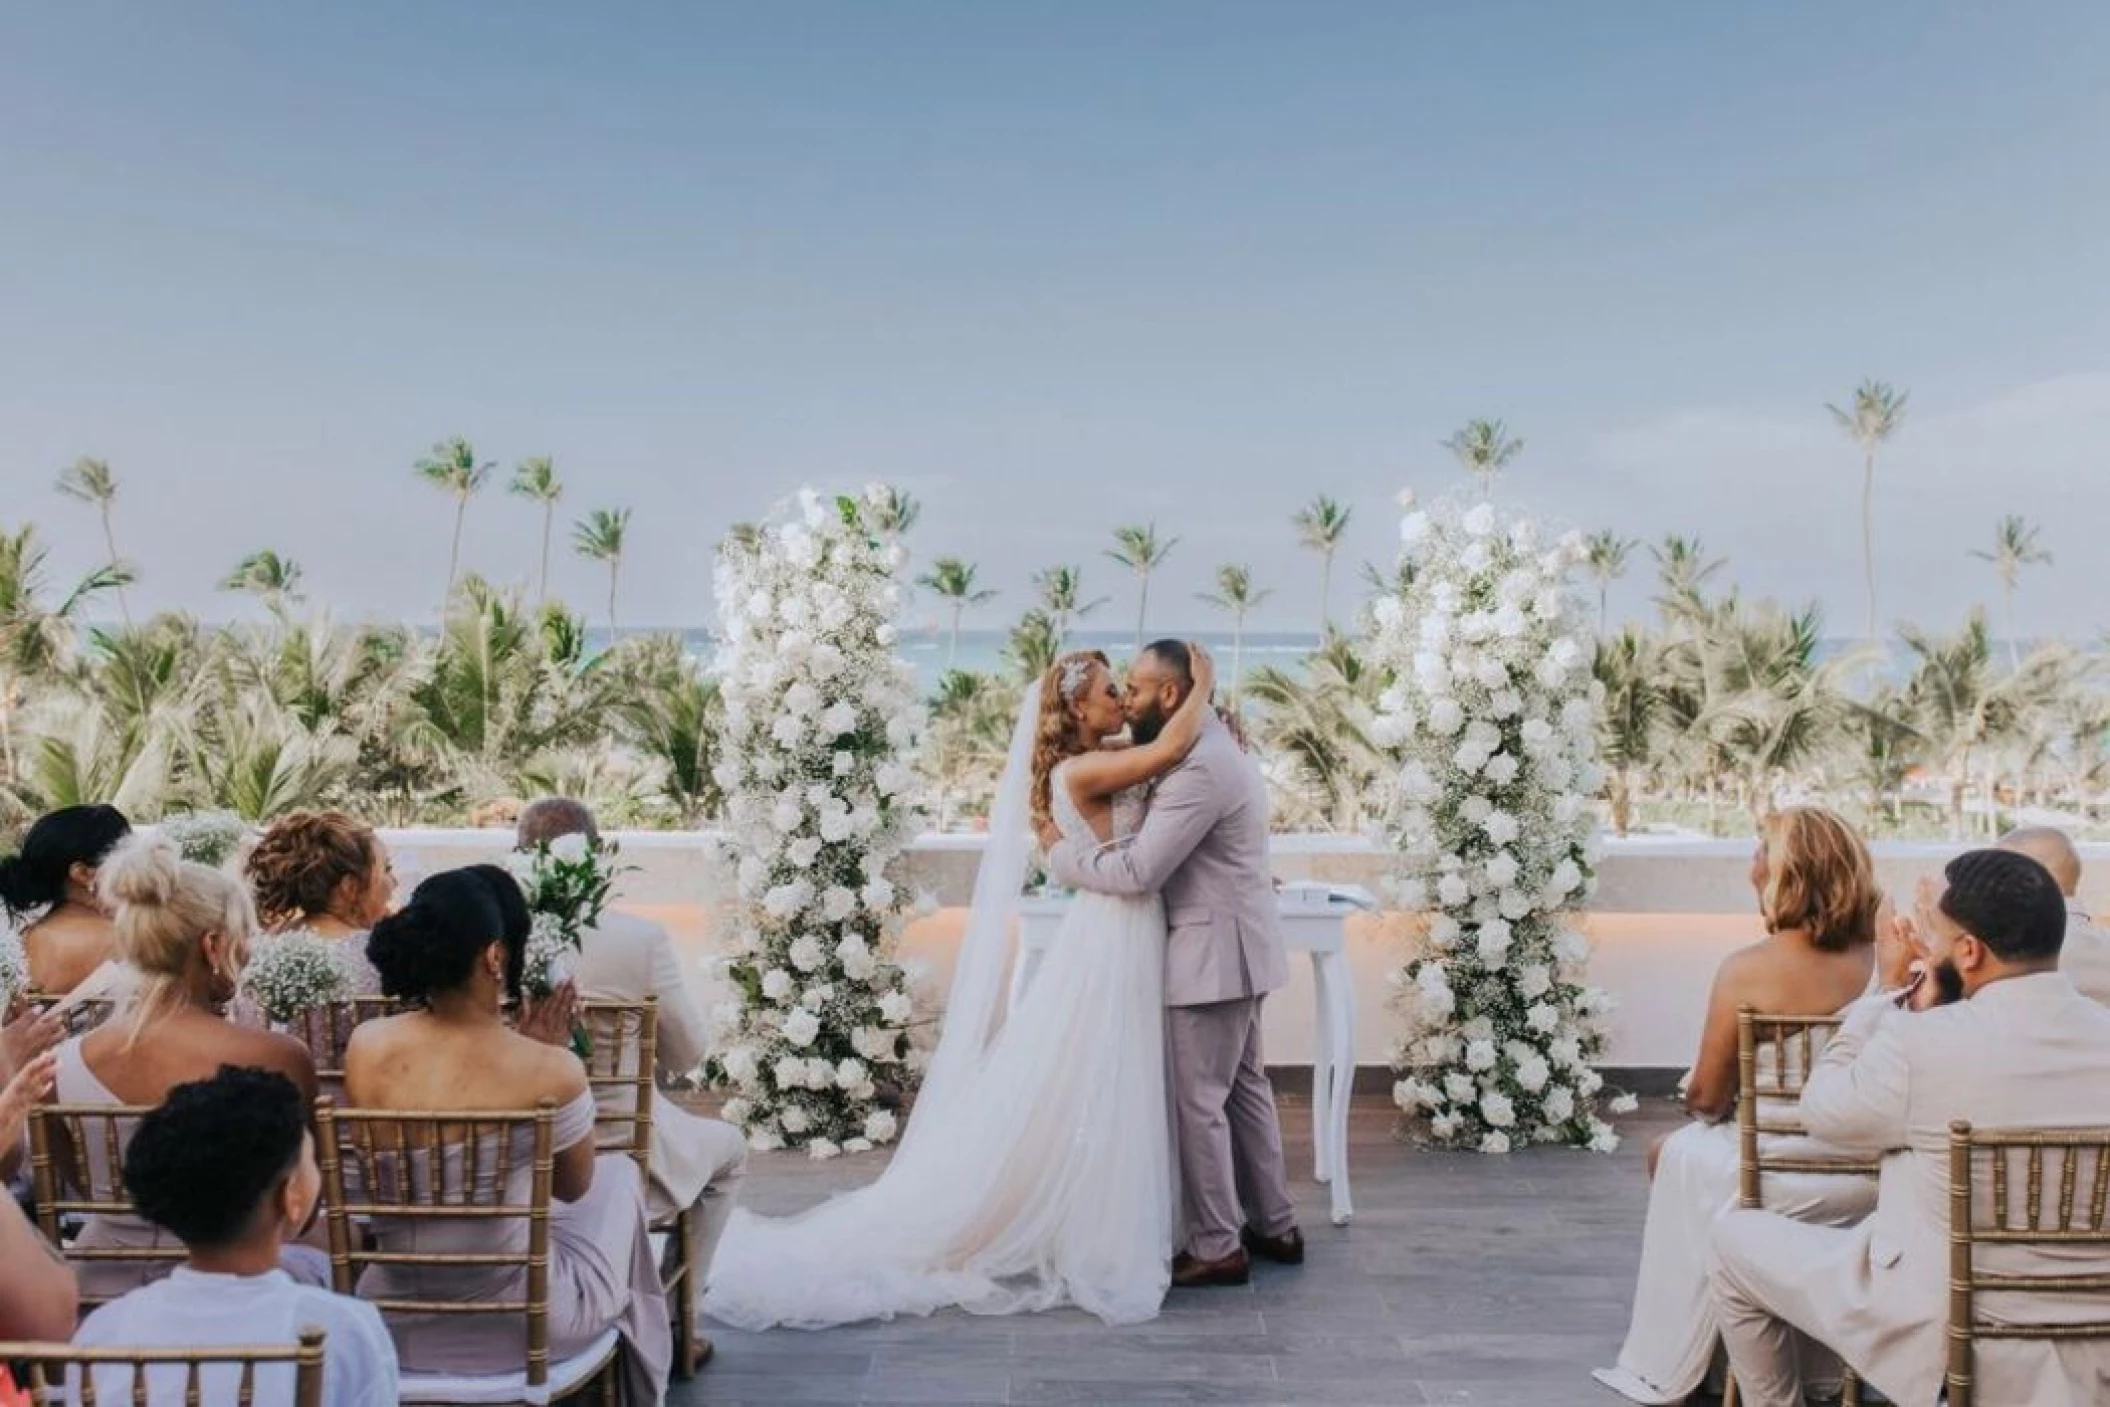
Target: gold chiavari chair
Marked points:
622	1058
387	1166
239	1370
1763	1087
76	1160
327	1030
2076	1162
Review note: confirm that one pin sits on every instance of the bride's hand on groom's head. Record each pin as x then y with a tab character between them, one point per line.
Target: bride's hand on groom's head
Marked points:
1203	668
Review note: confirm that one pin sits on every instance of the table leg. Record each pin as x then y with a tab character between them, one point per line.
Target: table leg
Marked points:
1321	1073
1340	1030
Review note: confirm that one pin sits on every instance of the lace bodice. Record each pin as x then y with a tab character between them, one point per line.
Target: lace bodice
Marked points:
1128	810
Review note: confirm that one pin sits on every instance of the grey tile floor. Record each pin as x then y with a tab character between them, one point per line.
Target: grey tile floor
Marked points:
1462	1279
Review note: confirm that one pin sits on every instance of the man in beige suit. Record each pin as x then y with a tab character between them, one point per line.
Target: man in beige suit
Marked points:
696	1162
2086	957
1204	845
1994	1034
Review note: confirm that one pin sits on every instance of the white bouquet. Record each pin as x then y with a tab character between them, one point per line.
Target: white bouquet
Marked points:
548	958
294	972
205	837
14	968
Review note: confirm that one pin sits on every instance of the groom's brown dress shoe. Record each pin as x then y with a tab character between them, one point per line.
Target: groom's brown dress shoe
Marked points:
1286	1249
1191	1274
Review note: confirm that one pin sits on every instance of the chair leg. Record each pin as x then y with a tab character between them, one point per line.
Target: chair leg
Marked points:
683	1304
1730	1396
1850	1389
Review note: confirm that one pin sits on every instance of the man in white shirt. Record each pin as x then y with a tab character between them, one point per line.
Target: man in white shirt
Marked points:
1995	1035
696	1162
228	1165
2085	959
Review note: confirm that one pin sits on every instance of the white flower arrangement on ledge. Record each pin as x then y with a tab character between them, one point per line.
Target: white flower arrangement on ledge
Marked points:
1492	712
14	968
294	972
821	723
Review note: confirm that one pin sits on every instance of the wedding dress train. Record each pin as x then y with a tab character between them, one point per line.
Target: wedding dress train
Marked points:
1036	1168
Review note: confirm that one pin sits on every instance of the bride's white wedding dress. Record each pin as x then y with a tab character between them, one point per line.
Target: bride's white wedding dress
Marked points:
1036	1169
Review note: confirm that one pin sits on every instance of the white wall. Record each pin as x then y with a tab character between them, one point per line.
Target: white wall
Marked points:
1664	916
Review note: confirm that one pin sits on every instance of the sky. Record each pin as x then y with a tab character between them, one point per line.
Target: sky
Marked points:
1054	268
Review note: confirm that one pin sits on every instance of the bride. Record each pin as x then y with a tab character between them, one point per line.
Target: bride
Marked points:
1036	1169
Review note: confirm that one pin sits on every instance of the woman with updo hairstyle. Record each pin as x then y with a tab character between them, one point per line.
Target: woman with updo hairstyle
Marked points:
454	955
48	888
328	873
184	929
1817	895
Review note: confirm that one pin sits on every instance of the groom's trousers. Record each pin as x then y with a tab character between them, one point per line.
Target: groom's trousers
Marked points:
1230	1140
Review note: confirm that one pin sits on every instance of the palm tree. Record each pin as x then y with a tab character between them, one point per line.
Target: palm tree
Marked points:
1314	732
91	482
1876	414
1061	596
1631	724
273	579
2014	547
1320	526
1486	448
1033	645
1604	557
37	638
1236	594
1138	548
598	537
536	481
1685	568
1962	710
953	579
454	467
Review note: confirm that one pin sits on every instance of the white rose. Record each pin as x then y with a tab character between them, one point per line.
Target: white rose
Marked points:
1493	942
1445	716
836	827
777	984
1532	1074
806	953
1480	1055
878	896
1495	1143
821	1150
801	699
735	1111
1451	891
794	1120
1479	520
881	1126
1444	931
740	1067
789	1073
840	719
1496	1109
1559	1104
1604	1140
896	1007
838	903
764	1140
1513	904
1501	769
851	1073
803	852
1624	1104
802	1028
1534	981
1501	866
1459	1088
874	1044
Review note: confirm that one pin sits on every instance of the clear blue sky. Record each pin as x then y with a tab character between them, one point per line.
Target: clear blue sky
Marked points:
1056	266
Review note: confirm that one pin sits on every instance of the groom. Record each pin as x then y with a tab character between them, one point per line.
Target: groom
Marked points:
1204	844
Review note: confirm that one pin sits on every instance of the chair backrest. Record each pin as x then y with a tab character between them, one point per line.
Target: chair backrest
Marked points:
188	1371
392	1165
621	1053
2028	1227
1793	1043
77	1168
327	1030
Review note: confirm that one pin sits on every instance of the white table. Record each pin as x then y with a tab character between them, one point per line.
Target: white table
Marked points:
1314	921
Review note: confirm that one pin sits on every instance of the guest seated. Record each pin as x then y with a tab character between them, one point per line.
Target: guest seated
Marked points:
456	953
696	1162
49	892
38	1299
1995	1035
1817	894
2085	955
185	929
327	873
227	1166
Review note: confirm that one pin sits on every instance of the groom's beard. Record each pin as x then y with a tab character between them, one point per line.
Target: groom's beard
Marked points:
1146	726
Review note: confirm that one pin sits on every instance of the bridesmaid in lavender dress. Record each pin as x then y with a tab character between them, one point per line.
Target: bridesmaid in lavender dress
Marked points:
330	874
185	929
455	953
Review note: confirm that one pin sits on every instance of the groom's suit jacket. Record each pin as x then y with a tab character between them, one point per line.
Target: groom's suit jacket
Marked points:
1204	845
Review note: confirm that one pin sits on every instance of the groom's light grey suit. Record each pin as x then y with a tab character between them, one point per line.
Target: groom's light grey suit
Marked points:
1204	846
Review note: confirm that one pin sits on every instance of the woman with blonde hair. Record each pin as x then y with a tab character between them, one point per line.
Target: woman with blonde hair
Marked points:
185	930
330	874
1817	893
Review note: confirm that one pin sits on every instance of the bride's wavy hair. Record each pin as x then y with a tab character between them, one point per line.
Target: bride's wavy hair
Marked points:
1059	735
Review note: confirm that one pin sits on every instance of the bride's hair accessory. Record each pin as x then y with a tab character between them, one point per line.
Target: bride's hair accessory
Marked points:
1075	670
